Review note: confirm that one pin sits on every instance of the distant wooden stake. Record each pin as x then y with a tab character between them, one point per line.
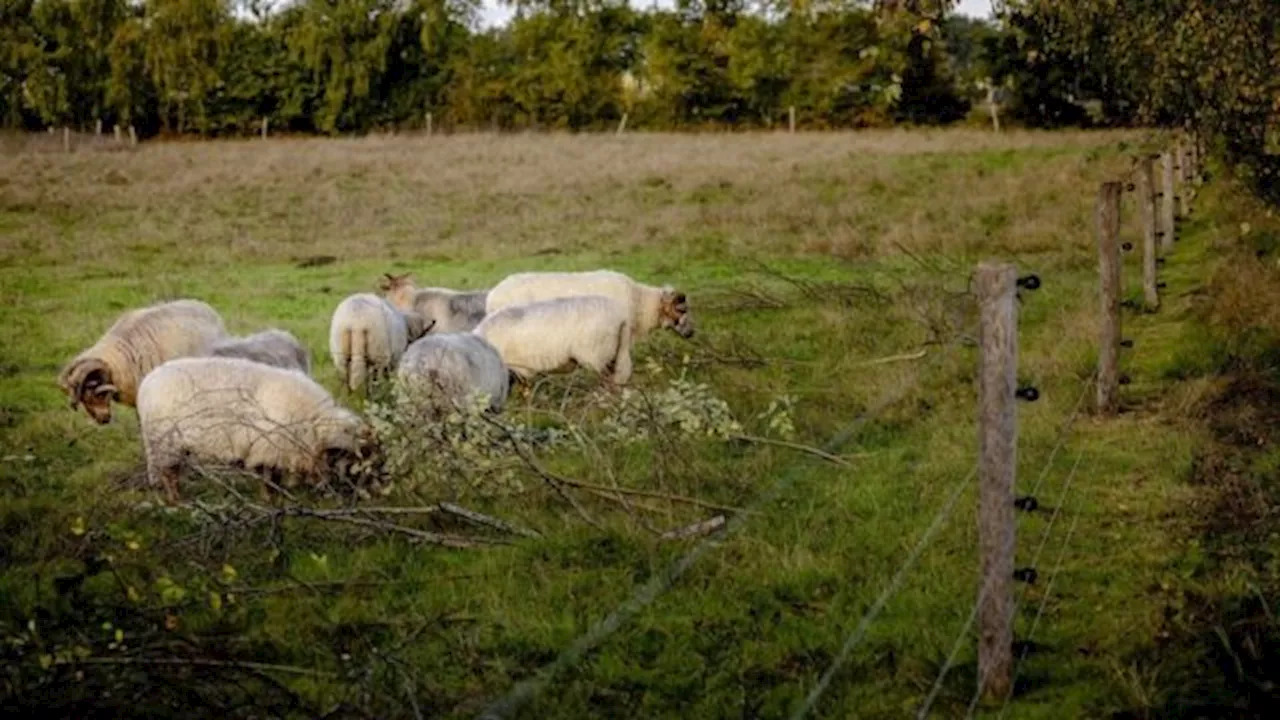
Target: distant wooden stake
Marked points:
1147	206
994	107
1108	217
791	118
66	138
115	132
266	124
622	124
133	136
430	123
1169	212
97	127
997	463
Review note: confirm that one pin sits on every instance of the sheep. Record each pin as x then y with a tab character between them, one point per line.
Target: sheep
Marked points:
270	347
452	310
649	307
136	343
240	412
559	334
454	366
367	334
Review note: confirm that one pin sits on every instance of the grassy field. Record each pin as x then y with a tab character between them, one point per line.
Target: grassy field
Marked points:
829	275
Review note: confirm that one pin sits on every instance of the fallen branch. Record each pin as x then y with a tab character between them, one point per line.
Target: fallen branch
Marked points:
493	522
794	446
894	358
202	662
700	528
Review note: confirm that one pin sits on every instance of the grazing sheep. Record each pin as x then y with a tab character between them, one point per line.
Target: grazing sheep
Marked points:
452	311
649	307
368	335
137	342
558	335
239	412
453	366
269	347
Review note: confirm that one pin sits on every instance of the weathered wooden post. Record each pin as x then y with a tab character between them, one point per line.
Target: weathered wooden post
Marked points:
430	124
97	127
1169	212
997	463
791	118
1147	205
266	124
1108	217
133	136
622	124
66	138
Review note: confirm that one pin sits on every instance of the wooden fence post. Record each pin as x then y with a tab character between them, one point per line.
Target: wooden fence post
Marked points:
66	138
266	124
1169	212
791	118
1108	217
133	136
97	127
622	124
430	124
1147	203
997	464
115	132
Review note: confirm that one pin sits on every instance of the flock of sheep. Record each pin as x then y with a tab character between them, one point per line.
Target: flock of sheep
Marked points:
250	402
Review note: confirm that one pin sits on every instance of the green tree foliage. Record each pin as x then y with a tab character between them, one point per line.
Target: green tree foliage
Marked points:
1207	64
218	67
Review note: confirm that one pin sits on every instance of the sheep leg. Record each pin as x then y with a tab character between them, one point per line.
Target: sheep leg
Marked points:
167	478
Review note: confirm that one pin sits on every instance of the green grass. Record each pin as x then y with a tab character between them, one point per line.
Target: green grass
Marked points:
749	628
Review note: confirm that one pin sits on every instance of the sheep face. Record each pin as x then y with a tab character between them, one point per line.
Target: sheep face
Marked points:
341	461
398	289
675	313
88	383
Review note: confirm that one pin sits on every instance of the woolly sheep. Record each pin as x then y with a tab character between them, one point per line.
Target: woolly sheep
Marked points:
453	366
649	307
240	412
269	347
367	334
137	342
560	334
452	310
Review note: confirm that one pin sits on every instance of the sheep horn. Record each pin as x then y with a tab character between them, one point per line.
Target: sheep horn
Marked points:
107	388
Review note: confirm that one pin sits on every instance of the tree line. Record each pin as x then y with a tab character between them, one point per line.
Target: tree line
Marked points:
218	67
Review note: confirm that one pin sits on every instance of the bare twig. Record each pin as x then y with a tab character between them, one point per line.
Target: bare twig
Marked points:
794	446
894	358
346	516
700	528
205	662
487	520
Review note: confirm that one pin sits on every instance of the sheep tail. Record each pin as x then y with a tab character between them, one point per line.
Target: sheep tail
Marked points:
359	355
622	360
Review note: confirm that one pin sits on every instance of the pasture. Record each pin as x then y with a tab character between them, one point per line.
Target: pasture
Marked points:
829	275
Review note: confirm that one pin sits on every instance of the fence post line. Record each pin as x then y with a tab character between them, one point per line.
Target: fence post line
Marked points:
791	118
1108	219
430	123
1169	213
1147	203
997	464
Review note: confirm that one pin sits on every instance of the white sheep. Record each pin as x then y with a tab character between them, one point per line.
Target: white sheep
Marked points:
239	412
452	310
558	335
368	335
649	307
270	347
453	366
137	342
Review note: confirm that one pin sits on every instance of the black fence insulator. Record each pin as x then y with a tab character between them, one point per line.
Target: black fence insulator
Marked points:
1030	282
1126	246
1161	285
1027	575
1123	379
1130	187
1160	262
1126	343
1132	304
1028	393
1026	503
